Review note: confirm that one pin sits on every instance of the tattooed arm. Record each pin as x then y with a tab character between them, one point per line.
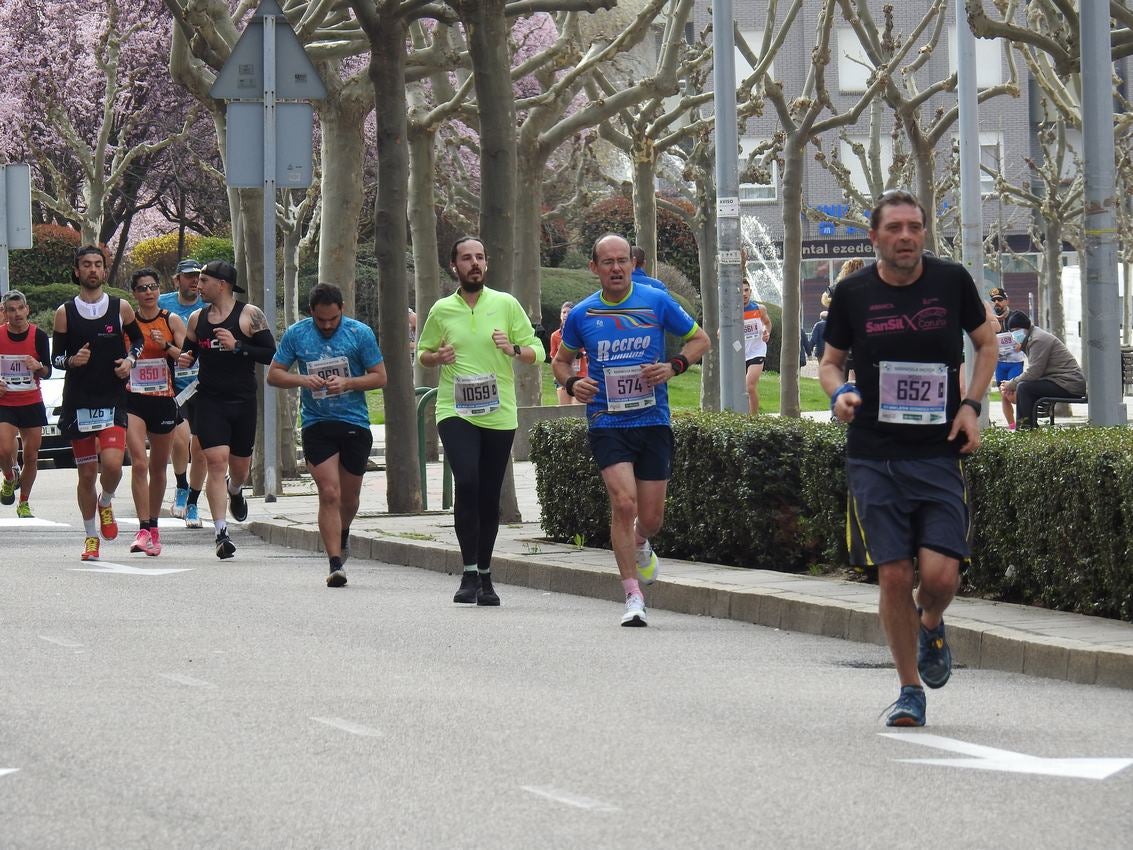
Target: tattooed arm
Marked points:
254	324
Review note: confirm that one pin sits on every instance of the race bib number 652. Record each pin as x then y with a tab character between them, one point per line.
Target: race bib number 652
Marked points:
913	393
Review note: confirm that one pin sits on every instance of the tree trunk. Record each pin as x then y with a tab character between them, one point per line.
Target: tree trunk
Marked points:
792	261
528	236
387	73
288	454
645	201
341	121
926	187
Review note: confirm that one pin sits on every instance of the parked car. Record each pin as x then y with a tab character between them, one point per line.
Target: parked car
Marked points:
55	446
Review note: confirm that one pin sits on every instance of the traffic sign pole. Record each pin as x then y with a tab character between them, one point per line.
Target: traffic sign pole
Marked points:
271	449
3	230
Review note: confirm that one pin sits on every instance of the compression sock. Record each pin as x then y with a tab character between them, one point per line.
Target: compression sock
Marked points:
182	480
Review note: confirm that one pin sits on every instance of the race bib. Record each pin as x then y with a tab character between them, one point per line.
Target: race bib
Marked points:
328	368
187	373
15	374
753	329
186	394
476	395
1006	344
149	376
913	393
626	389
94	418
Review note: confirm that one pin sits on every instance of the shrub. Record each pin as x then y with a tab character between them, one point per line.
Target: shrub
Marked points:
553	241
50	260
1051	513
161	252
676	244
680	286
207	248
559	285
44	300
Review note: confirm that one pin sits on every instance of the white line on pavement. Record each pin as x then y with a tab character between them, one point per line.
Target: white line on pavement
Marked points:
186	680
569	799
4	771
68	644
347	726
31	522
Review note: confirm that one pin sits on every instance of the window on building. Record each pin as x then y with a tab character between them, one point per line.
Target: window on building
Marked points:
989	60
853	66
991	156
757	192
854	165
754	39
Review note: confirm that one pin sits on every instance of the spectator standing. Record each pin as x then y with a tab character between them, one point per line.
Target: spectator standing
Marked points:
757	331
1010	363
817	340
580	358
1052	371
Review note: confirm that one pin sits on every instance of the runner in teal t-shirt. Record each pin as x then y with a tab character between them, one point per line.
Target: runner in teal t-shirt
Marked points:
473	335
338	361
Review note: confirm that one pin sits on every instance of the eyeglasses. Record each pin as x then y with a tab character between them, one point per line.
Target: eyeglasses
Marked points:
998	298
147	287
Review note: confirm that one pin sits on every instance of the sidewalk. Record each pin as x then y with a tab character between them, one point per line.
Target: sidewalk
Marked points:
983	634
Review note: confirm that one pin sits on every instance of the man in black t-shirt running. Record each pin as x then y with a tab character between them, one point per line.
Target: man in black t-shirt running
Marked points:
903	319
228	338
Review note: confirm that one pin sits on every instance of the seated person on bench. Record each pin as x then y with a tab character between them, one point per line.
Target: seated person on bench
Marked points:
1052	371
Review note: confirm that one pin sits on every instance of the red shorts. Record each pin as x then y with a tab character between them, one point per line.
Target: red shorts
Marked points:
86	450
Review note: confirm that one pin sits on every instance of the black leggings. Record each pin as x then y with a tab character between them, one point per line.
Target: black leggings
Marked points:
478	457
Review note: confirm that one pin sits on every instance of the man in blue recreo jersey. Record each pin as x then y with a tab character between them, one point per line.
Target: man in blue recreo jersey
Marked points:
184	300
639	275
339	360
622	327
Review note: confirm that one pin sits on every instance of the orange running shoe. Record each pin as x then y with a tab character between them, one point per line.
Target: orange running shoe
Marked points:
90	550
108	526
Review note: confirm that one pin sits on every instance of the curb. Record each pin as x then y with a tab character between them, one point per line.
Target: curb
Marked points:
977	645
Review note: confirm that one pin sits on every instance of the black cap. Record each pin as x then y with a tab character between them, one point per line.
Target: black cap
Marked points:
222	270
1018	319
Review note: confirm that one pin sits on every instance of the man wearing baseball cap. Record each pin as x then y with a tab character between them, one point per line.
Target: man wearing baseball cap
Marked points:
1010	363
184	300
227	339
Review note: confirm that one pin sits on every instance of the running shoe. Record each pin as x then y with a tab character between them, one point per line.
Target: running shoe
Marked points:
90	549
934	658
648	568
180	501
487	596
141	541
225	548
192	516
635	611
337	578
469	588
154	543
107	525
8	491
23	511
237	504
909	708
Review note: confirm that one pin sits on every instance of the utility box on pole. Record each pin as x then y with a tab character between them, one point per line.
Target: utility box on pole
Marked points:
268	65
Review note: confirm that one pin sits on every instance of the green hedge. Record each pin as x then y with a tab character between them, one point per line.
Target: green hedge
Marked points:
49	260
1052	509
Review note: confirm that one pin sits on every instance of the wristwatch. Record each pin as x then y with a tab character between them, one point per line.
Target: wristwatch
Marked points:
975	405
517	350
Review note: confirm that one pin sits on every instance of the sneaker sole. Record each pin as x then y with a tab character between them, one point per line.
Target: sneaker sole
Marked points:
177	513
8	500
488	603
226	550
904	722
193	523
458	601
336	579
636	621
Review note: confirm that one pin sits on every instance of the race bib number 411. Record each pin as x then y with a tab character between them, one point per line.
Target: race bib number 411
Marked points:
913	393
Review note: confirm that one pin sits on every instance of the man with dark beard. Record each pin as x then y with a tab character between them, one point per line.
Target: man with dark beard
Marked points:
1010	363
473	335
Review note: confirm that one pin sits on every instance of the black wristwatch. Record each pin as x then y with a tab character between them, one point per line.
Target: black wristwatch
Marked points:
517	350
975	405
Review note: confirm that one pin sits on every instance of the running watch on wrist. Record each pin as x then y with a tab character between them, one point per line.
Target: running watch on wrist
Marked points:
972	403
517	350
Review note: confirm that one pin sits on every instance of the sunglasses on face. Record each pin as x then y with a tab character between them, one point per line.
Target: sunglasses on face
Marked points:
147	287
997	299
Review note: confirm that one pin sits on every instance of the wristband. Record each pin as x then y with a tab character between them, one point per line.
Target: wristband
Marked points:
975	405
842	390
679	364
569	385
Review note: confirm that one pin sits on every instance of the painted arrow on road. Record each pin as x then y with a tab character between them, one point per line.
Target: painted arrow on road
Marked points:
989	758
126	570
4	771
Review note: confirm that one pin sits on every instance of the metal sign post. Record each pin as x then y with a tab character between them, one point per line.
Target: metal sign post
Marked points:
268	64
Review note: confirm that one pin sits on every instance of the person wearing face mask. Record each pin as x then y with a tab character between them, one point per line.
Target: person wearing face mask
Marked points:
1010	363
1052	371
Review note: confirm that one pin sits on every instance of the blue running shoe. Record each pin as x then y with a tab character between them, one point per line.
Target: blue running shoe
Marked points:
909	709
180	500
192	517
934	658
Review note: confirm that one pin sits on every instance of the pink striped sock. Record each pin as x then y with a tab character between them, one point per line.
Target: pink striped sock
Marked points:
632	588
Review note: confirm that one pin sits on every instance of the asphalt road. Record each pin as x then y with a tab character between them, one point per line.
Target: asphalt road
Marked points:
244	704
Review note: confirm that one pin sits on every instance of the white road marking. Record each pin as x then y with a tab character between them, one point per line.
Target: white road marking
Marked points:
347	726
186	680
125	569
32	522
4	771
569	799
69	644
990	758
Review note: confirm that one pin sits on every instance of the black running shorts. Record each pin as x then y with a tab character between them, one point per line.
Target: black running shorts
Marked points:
225	423
324	440
159	412
32	415
649	448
